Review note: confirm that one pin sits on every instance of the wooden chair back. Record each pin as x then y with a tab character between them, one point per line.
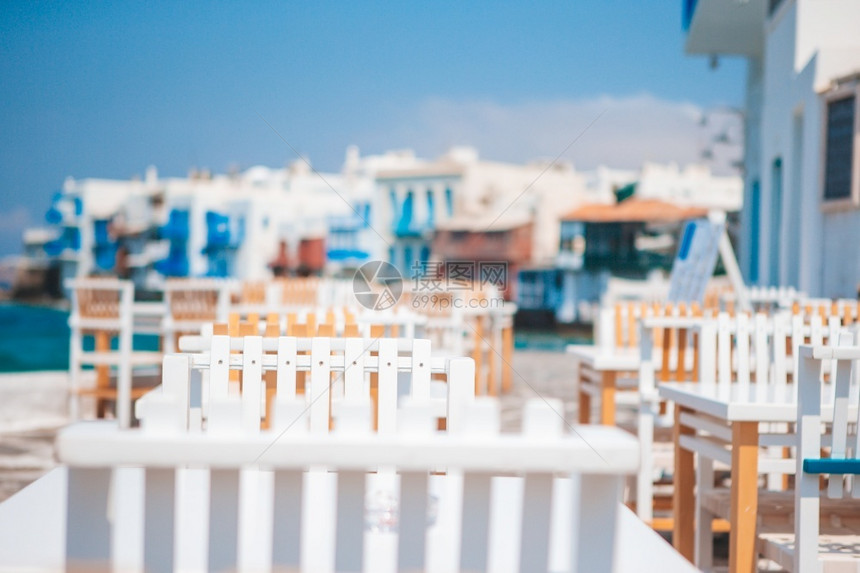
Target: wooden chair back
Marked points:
97	298
253	292
299	291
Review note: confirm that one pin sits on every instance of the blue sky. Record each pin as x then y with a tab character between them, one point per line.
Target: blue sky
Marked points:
91	90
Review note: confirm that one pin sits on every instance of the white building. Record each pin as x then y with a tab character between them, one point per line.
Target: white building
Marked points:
692	185
459	191
802	168
201	225
629	228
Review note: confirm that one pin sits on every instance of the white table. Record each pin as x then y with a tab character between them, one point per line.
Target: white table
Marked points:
598	368
742	412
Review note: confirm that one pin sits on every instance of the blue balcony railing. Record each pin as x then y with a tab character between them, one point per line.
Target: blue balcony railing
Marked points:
176	228
176	263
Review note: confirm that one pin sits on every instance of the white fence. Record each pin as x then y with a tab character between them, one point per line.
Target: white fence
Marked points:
468	500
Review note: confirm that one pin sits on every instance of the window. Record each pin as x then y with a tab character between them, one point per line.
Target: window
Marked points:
839	151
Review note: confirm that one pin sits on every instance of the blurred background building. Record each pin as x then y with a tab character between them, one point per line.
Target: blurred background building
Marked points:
801	166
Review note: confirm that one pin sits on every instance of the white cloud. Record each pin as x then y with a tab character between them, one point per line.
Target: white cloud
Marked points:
17	217
12	224
626	131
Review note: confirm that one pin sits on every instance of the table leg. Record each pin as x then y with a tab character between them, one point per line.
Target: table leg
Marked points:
584	407
683	499
607	398
584	397
507	357
102	344
742	553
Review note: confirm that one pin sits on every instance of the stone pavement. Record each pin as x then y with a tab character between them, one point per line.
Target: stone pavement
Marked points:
24	457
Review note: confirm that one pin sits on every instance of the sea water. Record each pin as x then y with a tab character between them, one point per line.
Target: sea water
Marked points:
34	338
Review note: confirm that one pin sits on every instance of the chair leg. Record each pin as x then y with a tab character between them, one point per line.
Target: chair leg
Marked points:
102	344
644	479
607	398
704	519
74	374
683	500
584	407
124	379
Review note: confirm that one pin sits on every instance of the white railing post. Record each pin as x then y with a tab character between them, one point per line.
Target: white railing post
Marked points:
461	391
540	419
648	411
75	349
762	354
482	419
124	369
159	516
416	419
806	501
840	380
724	353
742	350
387	388
223	519
708	353
599	498
354	418
289	418
88	530
320	385
252	383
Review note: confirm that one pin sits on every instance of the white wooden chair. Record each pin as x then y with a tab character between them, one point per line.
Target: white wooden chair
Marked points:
190	304
338	369
103	309
734	354
670	350
724	352
471	323
826	530
606	370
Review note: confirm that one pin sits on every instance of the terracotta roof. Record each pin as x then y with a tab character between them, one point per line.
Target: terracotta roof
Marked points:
634	210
